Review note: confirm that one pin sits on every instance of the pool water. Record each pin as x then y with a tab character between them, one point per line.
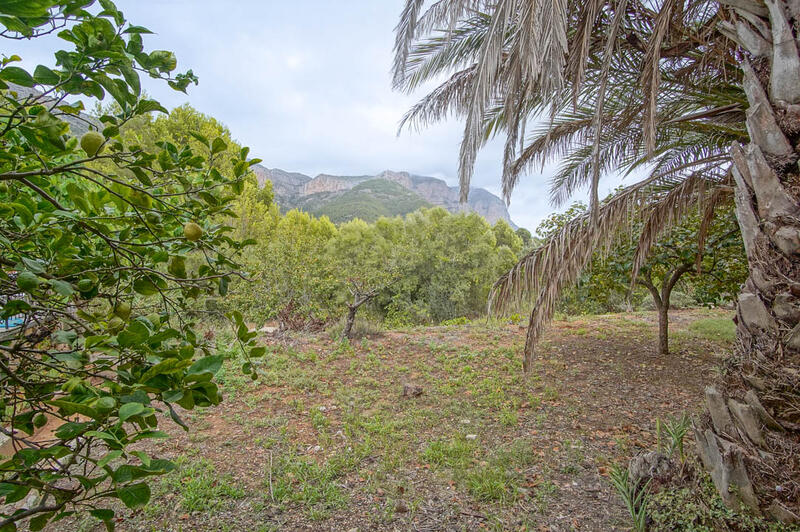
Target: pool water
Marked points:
10	323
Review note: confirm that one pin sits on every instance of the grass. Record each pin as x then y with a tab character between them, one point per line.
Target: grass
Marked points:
715	329
325	438
198	486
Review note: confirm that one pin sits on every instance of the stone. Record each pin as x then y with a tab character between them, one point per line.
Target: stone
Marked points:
412	390
472	436
648	465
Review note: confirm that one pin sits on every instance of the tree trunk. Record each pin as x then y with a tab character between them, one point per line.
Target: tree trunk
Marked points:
663	330
750	441
351	319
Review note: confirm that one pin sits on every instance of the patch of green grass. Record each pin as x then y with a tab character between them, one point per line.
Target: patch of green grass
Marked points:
199	486
717	329
509	417
315	486
491	483
456	453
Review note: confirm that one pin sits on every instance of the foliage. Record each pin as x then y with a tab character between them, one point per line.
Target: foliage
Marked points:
94	260
699	508
427	267
674	431
605	285
636	497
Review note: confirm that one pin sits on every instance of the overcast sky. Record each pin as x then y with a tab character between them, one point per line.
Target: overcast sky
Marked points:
306	84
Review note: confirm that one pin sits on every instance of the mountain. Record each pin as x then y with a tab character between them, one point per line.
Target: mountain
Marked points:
368	197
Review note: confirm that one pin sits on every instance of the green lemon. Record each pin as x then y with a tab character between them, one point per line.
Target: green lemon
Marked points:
192	231
123	310
141	199
39	420
115	324
92	143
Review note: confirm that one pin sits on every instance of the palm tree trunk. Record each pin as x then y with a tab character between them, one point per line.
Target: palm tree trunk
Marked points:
750	441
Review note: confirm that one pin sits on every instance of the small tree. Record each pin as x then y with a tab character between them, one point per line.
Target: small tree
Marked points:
714	264
94	236
366	261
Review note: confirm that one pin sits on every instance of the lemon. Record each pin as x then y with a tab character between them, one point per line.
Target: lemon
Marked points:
39	420
141	199
115	324
123	310
192	231
92	143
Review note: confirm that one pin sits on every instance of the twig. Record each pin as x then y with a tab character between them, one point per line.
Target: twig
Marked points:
271	494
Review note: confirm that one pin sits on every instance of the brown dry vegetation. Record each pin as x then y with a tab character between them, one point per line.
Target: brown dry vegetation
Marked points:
325	441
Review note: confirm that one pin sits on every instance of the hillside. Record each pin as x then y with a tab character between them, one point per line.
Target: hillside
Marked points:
399	193
368	201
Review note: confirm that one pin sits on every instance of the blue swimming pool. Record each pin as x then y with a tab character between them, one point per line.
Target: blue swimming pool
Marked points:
10	323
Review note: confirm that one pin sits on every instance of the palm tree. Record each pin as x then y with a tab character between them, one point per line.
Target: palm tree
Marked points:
672	58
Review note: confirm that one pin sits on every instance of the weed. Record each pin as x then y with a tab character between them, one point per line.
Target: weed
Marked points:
634	495
456	453
199	486
674	431
491	483
509	417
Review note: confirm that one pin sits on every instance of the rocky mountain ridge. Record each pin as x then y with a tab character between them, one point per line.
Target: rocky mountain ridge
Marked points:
293	189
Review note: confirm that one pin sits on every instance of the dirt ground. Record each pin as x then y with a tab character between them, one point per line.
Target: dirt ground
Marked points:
326	440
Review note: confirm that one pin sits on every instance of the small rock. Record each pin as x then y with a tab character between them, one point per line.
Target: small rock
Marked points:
465	421
472	436
268	330
412	390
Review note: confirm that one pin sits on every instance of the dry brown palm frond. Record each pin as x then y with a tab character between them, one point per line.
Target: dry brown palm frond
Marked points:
611	41
651	72
581	45
405	31
720	195
484	90
546	271
413	23
660	216
449	98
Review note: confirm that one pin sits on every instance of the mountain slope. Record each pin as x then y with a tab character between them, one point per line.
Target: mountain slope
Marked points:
369	200
327	194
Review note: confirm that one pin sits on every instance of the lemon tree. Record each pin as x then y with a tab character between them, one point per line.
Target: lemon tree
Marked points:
94	235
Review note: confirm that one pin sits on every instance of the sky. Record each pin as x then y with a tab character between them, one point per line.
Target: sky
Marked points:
307	85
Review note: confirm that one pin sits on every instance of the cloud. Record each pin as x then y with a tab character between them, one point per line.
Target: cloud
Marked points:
307	86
